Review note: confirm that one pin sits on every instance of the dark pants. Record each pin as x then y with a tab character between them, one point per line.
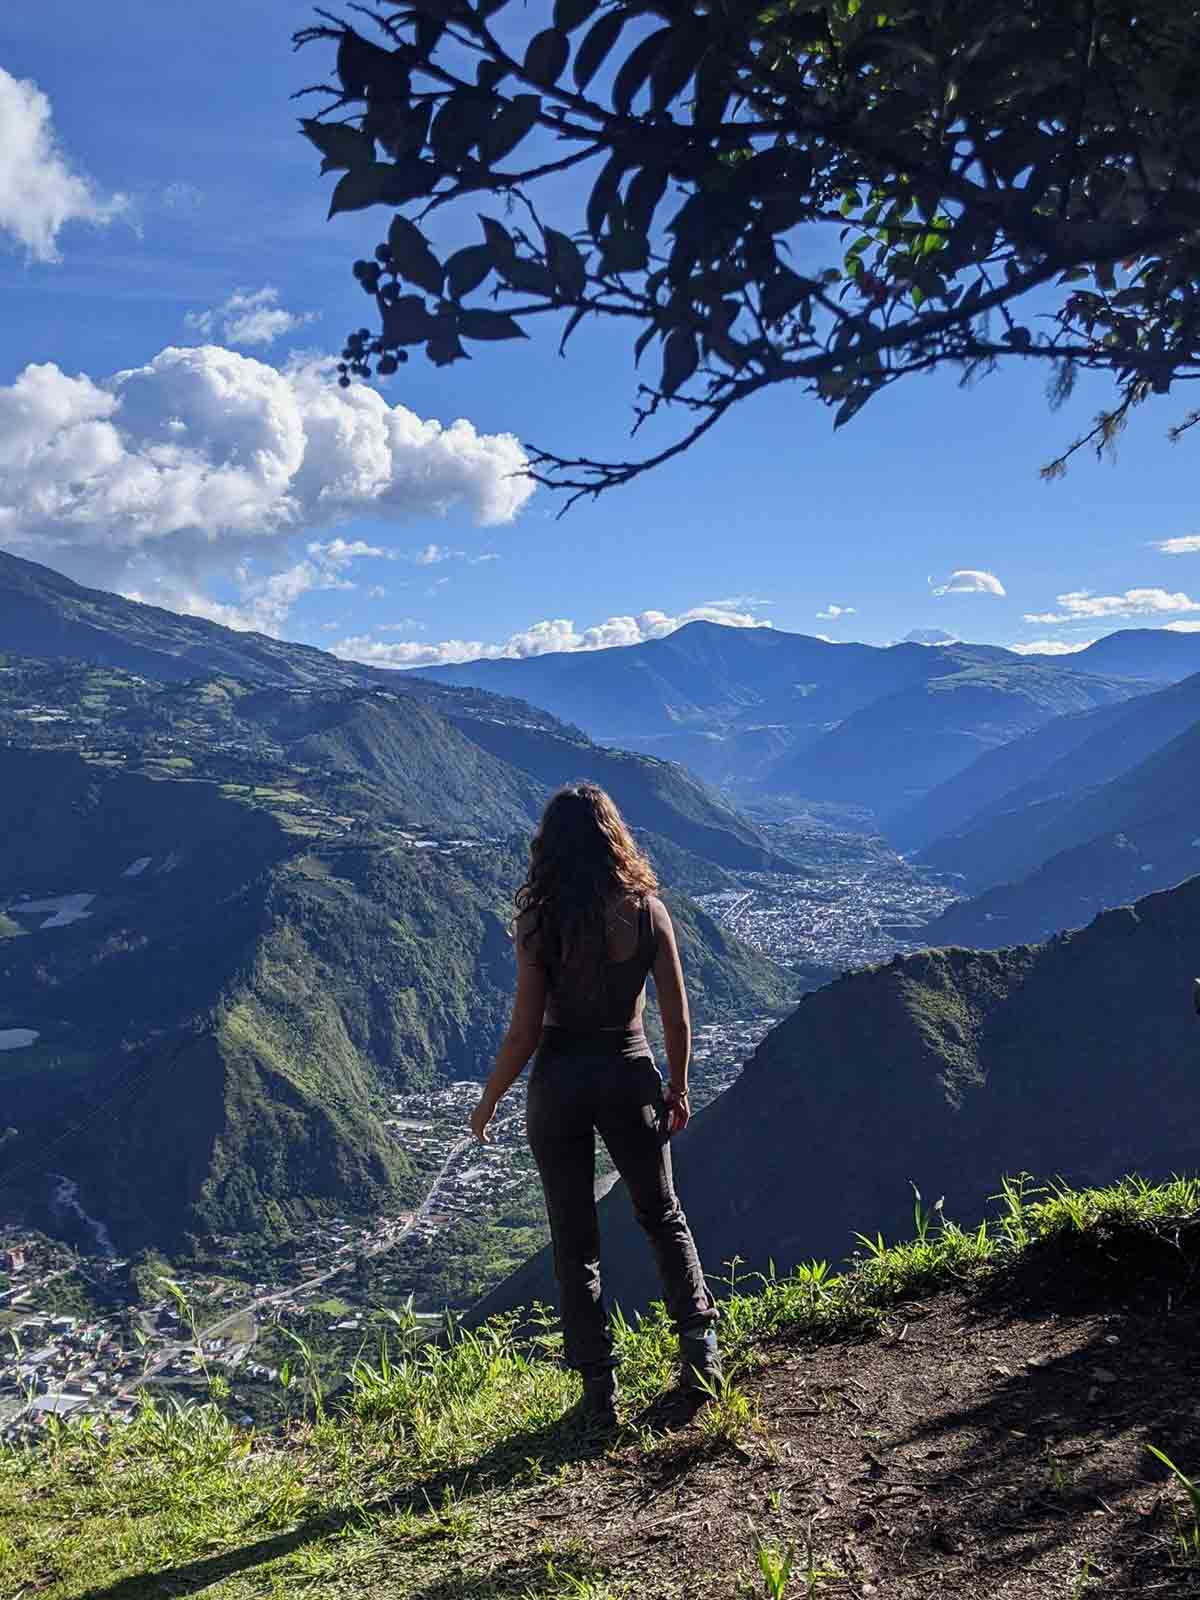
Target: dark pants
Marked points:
571	1096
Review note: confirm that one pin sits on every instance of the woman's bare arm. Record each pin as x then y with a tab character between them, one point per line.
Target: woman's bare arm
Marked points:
672	1004
521	1040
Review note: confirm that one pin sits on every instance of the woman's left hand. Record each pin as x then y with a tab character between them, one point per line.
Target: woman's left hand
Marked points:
479	1120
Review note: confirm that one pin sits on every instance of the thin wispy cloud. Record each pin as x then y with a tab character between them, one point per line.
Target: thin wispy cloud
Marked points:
156	479
41	190
248	318
1050	647
969	580
1187	545
832	612
541	638
1080	605
266	600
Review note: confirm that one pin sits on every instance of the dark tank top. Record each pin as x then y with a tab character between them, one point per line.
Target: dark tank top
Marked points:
602	1014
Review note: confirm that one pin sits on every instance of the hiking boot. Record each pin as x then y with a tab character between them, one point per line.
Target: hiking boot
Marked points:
699	1361
598	1407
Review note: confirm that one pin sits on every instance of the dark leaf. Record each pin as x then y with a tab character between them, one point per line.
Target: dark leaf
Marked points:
406	321
460	123
466	269
643	195
712	90
428	34
673	71
530	277
362	187
566	264
547	55
510	127
643	340
489	73
569	14
400	129
624	250
681	357
851	405
577	317
605	195
499	240
413	258
597	43
489	325
361	63
783	293
637	67
340	144
444	347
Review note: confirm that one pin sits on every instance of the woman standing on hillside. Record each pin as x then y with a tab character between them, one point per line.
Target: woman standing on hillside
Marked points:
589	930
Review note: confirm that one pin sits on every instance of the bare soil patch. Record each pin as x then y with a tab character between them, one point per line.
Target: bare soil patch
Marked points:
986	1444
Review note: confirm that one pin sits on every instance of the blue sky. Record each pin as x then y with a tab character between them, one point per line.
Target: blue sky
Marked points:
161	219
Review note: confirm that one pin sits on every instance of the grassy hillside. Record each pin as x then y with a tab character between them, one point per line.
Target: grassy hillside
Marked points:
966	1416
938	1068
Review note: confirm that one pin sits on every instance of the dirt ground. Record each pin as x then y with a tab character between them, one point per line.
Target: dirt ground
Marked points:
990	1445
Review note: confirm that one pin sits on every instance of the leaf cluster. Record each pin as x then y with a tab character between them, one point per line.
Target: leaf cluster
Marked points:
838	193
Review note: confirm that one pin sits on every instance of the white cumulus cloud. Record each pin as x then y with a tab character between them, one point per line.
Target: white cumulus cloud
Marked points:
541	638
1081	604
248	318
968	580
832	612
1181	627
164	474
40	191
1187	545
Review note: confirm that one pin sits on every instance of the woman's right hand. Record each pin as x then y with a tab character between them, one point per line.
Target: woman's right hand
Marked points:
480	1118
678	1108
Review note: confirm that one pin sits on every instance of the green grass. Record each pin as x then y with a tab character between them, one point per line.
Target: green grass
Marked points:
410	1472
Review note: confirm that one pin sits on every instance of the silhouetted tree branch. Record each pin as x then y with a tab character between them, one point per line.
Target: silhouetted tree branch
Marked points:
830	194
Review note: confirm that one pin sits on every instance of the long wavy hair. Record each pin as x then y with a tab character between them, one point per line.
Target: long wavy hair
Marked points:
581	854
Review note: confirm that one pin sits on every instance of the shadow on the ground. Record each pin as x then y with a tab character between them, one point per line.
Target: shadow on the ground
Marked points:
1063	1437
563	1441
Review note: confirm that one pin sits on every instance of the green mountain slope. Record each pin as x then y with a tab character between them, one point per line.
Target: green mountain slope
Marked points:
228	976
1139	832
900	746
45	615
1054	764
1076	1057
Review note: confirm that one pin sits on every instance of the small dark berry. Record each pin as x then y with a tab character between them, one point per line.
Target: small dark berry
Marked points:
401	356
360	267
343	383
382	254
387	365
